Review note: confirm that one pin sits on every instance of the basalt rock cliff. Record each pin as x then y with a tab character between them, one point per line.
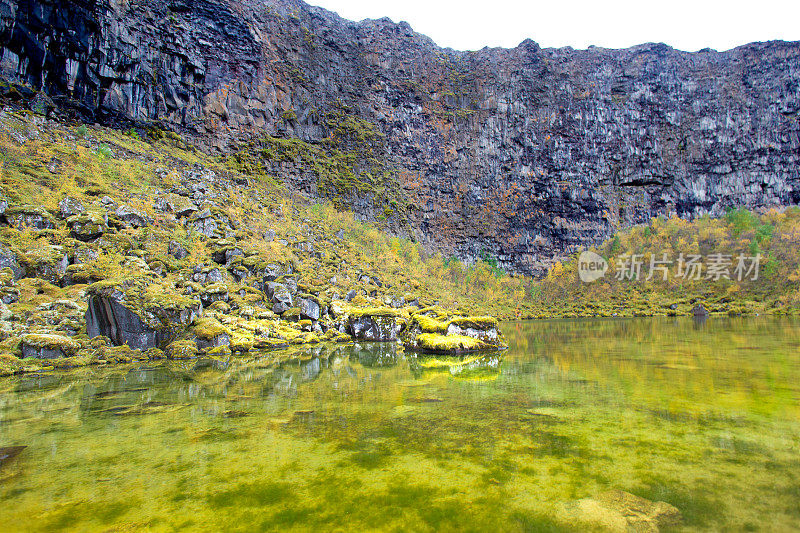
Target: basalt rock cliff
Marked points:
521	154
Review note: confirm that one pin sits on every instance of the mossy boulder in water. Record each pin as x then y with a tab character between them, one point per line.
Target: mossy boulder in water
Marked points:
617	510
432	331
140	313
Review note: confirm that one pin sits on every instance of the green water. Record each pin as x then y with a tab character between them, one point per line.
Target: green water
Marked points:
703	416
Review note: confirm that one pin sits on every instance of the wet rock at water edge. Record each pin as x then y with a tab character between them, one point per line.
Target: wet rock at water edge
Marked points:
374	325
48	346
435	332
136	314
699	311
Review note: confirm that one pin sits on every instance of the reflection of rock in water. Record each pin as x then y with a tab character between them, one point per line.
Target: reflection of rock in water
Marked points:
484	367
699	321
311	370
376	354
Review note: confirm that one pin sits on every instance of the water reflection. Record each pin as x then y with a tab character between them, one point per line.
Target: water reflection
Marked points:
704	417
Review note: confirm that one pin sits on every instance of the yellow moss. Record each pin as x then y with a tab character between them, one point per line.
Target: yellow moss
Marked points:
372	311
430	325
475	322
207	327
184	349
52	342
449	343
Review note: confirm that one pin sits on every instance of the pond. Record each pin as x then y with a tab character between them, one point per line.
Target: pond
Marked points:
704	416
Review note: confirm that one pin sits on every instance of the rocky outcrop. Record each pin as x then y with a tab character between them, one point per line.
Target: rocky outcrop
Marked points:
434	331
374	325
127	313
516	155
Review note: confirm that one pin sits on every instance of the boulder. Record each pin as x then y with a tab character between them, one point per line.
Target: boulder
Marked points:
699	310
132	217
69	207
309	308
374	325
87	226
178	205
210	333
203	222
26	216
46	262
138	313
176	250
48	346
279	296
435	332
8	259
215	292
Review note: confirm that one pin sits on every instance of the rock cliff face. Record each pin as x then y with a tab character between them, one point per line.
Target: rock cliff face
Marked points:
520	154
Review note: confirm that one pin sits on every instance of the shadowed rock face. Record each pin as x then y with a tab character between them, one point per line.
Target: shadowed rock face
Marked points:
108	315
522	154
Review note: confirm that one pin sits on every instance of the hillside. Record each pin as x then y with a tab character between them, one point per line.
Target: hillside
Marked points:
176	253
524	154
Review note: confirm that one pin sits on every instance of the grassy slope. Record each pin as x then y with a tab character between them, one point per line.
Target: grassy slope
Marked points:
89	162
774	234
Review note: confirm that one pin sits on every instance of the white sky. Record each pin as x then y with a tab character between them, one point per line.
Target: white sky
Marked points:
684	24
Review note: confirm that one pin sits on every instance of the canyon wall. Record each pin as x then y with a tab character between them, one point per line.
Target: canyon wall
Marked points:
520	154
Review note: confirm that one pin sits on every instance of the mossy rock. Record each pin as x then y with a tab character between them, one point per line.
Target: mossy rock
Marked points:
475	322
183	349
48	346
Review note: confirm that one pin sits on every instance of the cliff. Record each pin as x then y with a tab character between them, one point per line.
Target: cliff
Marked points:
522	155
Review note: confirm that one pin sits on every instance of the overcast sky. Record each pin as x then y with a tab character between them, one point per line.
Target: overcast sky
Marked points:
684	24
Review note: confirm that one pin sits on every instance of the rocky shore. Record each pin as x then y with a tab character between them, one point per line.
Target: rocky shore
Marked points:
203	263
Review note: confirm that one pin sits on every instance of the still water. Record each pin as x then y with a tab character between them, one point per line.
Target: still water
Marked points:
703	416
